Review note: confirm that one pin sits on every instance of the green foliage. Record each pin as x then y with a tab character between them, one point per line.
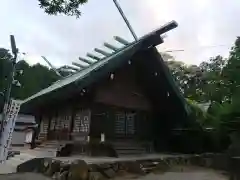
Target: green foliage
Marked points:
33	79
67	7
216	81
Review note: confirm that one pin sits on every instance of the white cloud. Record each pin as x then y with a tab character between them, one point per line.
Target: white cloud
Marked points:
62	39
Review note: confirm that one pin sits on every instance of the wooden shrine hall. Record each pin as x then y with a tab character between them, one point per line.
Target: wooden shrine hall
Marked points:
121	101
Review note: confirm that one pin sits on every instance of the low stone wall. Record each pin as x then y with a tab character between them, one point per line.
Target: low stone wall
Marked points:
80	170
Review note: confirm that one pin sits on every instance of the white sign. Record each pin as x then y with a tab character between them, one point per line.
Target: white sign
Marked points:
8	127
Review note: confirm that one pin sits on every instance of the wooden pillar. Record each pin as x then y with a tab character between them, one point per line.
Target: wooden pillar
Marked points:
73	112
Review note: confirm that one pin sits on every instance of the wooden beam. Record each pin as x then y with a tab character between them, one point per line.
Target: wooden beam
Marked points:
71	68
102	52
121	40
78	65
93	56
86	60
111	46
167	27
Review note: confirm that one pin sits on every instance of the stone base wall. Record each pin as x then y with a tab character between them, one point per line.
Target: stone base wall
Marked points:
79	169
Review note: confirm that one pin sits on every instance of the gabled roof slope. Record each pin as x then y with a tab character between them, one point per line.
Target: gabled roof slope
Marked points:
86	76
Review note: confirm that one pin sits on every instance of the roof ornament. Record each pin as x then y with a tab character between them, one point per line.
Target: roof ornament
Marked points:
100	51
69	68
125	19
54	69
109	46
88	61
121	40
79	65
93	56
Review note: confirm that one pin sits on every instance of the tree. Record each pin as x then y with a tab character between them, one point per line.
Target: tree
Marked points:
231	70
203	83
67	7
188	77
5	66
213	80
167	56
33	79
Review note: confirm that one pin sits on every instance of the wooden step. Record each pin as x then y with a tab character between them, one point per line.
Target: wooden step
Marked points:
124	148
130	152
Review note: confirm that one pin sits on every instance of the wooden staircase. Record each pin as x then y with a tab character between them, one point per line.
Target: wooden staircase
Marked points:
127	148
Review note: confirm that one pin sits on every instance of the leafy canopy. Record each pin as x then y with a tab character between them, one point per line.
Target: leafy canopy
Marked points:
67	7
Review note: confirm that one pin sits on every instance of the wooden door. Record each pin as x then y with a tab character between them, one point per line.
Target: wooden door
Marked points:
125	124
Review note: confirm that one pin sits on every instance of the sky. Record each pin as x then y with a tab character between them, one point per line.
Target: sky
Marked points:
62	39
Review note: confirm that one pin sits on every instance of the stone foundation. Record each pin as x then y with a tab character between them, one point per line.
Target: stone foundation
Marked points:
80	170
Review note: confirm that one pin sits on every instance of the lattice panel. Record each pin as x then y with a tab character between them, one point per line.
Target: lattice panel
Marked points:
130	125
59	122
120	123
53	123
82	121
43	129
44	125
66	120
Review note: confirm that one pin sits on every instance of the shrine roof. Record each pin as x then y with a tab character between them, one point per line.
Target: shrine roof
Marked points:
106	64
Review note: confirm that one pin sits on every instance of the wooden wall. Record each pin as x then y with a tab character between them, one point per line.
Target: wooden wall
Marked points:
122	90
117	93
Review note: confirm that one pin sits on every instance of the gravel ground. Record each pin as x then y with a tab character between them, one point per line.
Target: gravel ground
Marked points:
196	174
23	176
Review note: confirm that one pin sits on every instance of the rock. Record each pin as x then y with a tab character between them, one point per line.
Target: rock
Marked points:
168	161
133	167
106	169
115	167
93	167
105	166
234	148
33	165
221	162
56	175
187	161
64	167
234	168
148	166
195	160
63	175
162	166
52	167
96	176
109	173
208	162
181	161
78	170
45	164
